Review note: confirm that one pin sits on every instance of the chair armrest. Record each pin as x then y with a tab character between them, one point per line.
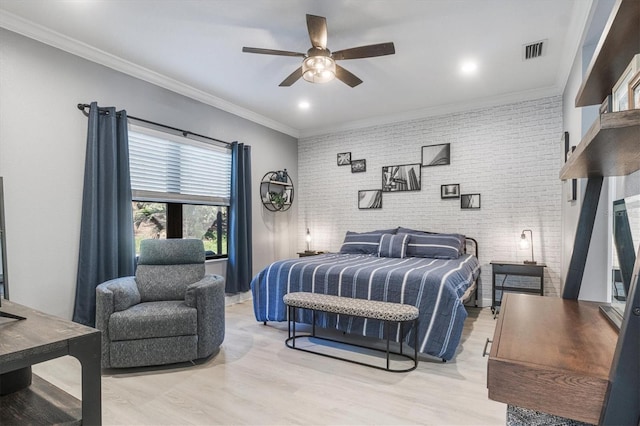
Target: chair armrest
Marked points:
207	296
113	296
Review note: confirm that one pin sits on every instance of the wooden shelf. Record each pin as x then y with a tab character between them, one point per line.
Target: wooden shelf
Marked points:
611	147
40	403
269	184
276	182
620	42
551	355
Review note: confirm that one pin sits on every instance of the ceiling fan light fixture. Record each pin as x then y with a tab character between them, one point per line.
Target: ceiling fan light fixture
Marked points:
318	69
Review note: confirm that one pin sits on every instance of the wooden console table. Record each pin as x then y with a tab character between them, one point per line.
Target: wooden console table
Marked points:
551	355
41	337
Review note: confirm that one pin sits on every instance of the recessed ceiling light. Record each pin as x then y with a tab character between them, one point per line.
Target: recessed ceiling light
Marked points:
304	105
469	67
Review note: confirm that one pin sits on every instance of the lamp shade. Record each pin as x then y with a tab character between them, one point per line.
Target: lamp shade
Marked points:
526	243
318	69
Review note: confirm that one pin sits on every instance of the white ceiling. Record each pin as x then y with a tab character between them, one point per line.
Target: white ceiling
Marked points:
194	47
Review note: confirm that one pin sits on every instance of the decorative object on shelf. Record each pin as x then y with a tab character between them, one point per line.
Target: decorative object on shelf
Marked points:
621	95
606	105
470	201
572	184
404	177
436	155
358	166
344	158
282	175
634	92
370	199
278	199
308	241
277	191
451	190
527	243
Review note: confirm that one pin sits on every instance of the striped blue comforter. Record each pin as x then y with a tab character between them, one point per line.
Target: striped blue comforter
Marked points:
434	286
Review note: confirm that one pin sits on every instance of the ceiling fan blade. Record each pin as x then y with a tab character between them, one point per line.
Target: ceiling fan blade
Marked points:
293	77
369	51
317	27
346	77
271	52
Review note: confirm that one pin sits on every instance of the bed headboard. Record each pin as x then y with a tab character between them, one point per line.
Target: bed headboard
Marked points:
474	245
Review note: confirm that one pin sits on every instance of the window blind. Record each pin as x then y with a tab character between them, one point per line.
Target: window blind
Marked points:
170	168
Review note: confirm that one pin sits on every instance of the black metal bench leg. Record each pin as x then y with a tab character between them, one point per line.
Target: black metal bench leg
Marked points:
415	334
386	330
313	320
293	341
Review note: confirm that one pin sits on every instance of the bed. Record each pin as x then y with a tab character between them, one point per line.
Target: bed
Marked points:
397	265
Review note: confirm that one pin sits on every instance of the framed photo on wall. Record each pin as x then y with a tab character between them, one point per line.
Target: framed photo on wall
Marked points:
470	201
405	177
436	155
370	199
451	190
358	166
344	159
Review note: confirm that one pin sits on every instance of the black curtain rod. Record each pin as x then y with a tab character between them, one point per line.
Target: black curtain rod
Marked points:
185	133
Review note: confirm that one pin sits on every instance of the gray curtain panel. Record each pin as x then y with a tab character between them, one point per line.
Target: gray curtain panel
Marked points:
107	248
239	263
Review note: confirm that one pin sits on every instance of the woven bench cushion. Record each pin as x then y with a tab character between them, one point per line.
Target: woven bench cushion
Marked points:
374	309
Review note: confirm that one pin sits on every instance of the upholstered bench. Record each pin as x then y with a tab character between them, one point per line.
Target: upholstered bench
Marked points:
372	309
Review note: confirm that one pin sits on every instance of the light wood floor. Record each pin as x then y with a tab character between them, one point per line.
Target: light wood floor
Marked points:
255	379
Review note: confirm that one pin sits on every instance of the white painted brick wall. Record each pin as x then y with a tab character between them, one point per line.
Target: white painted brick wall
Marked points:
510	154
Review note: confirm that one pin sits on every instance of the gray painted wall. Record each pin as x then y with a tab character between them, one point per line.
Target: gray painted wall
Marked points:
42	148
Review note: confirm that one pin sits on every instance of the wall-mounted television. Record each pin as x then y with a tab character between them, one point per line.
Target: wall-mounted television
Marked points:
626	240
4	276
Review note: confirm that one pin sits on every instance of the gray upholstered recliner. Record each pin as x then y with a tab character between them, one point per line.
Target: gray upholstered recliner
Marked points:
169	312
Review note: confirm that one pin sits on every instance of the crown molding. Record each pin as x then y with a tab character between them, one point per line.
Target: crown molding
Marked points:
52	38
436	111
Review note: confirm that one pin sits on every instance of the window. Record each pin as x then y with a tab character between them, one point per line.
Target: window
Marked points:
181	189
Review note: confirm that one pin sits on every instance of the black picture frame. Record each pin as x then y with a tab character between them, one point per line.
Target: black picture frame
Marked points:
436	155
403	177
370	199
450	190
344	158
358	166
470	201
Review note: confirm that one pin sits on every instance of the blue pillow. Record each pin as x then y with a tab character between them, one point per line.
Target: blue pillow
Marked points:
362	243
393	245
436	246
459	237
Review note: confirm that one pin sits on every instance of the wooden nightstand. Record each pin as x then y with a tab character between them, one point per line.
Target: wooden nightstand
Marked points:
310	253
516	269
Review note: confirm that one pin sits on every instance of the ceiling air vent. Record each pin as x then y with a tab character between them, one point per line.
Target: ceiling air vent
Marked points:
533	50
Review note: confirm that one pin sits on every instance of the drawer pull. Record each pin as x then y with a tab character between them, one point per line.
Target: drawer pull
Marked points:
484	351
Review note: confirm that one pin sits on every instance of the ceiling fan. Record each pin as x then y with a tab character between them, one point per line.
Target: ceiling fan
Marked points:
319	64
